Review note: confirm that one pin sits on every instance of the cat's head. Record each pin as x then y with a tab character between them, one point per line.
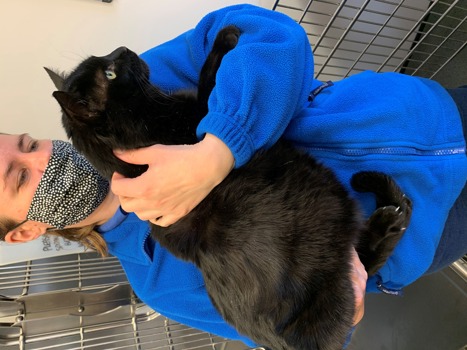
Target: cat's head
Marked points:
85	93
97	99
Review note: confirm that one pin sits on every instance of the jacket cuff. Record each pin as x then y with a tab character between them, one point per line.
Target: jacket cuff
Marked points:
236	138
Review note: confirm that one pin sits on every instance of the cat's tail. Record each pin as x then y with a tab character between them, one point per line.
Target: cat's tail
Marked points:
386	190
386	226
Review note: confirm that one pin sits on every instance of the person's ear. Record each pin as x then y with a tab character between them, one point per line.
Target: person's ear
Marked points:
26	232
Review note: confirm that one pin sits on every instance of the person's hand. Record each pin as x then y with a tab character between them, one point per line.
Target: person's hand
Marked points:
359	278
178	178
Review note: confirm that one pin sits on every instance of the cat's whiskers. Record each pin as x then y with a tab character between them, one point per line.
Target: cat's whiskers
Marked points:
150	91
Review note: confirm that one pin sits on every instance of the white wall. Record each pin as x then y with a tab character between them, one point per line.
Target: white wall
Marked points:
60	33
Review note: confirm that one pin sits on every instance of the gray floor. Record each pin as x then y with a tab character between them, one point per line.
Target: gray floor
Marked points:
431	315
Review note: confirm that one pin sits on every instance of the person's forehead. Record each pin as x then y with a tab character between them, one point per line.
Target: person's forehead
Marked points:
7	146
12	204
7	138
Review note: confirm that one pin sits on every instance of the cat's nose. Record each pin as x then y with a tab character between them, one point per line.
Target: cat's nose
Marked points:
117	53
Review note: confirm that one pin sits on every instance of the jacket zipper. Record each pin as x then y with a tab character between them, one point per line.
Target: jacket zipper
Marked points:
146	237
408	151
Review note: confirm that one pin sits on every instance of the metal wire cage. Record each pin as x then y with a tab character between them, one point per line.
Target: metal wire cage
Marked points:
415	37
82	301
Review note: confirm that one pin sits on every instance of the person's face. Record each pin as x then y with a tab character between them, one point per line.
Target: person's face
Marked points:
22	163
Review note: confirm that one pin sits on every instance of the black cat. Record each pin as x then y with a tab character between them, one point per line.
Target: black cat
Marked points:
274	239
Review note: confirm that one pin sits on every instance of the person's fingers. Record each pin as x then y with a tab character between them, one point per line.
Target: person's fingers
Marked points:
140	208
174	182
164	221
148	215
117	183
116	177
359	312
359	301
125	187
138	156
359	279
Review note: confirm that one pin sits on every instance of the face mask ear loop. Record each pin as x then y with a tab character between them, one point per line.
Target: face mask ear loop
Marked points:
22	222
18	225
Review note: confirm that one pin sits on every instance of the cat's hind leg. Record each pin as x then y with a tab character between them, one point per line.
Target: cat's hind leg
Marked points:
386	226
226	40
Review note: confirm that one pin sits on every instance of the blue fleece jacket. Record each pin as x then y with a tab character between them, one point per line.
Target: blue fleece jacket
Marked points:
404	126
407	127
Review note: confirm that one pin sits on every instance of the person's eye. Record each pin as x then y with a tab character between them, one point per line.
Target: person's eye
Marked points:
22	177
33	145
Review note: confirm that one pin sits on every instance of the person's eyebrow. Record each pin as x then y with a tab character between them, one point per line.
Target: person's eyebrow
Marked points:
9	169
20	144
7	173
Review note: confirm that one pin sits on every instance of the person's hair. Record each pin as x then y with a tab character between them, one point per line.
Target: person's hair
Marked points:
85	235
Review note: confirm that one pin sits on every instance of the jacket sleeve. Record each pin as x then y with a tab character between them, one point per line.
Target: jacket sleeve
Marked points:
261	84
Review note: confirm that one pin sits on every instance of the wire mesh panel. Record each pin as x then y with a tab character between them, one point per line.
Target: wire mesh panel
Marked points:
82	301
76	271
138	333
416	37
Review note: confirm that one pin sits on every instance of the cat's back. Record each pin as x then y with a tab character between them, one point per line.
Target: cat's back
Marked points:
271	240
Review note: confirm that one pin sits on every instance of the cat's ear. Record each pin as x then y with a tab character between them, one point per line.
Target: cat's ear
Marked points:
57	78
71	106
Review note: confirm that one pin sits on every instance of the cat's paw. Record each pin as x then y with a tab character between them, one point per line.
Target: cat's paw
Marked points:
392	219
227	39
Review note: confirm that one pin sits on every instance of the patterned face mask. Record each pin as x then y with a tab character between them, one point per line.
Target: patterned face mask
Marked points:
70	188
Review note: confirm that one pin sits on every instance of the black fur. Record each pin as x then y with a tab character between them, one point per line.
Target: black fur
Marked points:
274	239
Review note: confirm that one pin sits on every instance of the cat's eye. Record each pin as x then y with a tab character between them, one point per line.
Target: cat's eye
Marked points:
109	74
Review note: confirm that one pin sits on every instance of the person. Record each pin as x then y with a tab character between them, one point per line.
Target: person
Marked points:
262	93
32	167
46	181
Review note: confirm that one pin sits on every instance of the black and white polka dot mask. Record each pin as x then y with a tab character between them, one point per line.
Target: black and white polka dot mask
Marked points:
70	188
